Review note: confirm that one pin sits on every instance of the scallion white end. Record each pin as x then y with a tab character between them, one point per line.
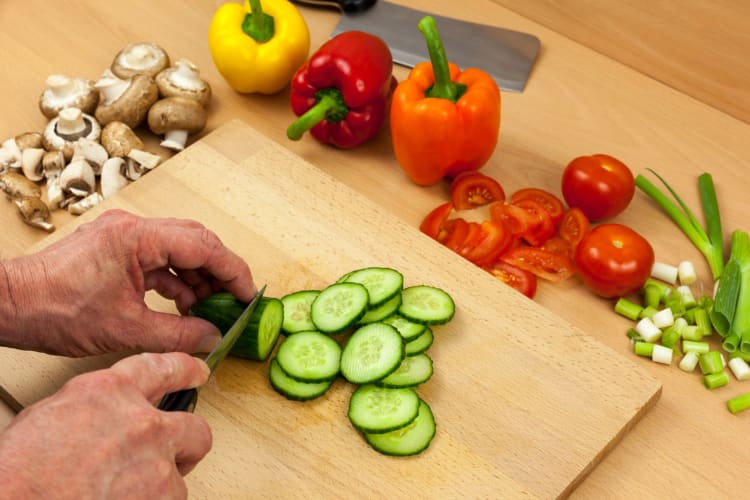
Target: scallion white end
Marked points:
740	368
662	354
665	272
648	330
689	361
663	318
686	273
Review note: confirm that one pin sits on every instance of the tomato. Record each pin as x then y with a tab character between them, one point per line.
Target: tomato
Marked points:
573	227
558	245
541	228
613	260
432	223
550	266
472	189
521	280
600	185
549	201
491	240
514	218
453	233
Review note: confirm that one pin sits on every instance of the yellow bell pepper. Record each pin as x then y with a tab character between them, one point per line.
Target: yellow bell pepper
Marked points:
258	48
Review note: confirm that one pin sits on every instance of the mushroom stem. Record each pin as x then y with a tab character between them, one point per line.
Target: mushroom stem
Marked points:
70	122
60	86
55	194
111	87
175	139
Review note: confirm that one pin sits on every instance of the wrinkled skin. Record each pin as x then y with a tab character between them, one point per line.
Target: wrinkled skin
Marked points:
100	436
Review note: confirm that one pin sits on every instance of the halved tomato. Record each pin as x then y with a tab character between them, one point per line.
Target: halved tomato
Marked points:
517	220
551	203
471	189
520	279
573	227
491	241
557	245
542	227
550	266
453	233
434	220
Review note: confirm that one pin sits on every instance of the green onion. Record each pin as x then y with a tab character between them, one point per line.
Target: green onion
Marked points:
731	342
708	241
633	335
725	300
714	380
652	295
693	346
739	403
700	316
643	349
628	308
648	312
711	362
689	361
670	338
739	368
657	285
691	333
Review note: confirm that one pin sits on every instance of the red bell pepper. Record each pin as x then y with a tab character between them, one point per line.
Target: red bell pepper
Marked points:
342	93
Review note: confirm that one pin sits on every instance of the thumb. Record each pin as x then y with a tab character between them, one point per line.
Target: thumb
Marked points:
171	332
157	374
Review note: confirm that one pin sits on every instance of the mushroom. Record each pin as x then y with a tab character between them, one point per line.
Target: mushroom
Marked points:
113	178
80	206
140	58
34	212
78	177
140	162
7	160
31	163
118	139
126	101
65	92
10	154
183	79
16	185
176	117
69	126
28	140
91	151
53	163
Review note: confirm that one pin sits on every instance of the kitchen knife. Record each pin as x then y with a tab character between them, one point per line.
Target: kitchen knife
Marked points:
185	399
505	54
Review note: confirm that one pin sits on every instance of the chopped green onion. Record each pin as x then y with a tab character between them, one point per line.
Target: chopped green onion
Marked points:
643	349
664	272
652	295
671	338
731	342
661	354
628	308
686	296
700	316
711	362
739	403
691	332
680	323
740	368
696	347
648	330
689	361
739	354
714	380
648	312
633	335
663	318
658	285
686	273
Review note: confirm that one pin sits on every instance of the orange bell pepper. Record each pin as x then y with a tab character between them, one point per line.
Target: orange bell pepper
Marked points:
443	121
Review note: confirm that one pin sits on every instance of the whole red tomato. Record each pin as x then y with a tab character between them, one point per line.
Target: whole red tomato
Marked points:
613	260
600	185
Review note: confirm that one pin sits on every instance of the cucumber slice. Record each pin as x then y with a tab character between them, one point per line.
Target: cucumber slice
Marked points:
371	353
382	283
374	409
426	304
382	311
338	307
297	311
294	389
309	357
409	440
412	371
408	329
421	343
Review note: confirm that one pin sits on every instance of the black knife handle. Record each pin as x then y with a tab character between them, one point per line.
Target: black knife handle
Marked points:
348	6
183	400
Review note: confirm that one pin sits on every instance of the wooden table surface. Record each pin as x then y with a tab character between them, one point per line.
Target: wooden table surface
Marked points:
655	93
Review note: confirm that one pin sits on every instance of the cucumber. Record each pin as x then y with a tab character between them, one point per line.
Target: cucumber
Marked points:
421	343
412	371
294	389
297	311
409	440
339	307
382	283
262	331
374	409
309	357
382	311
371	353
409	330
427	305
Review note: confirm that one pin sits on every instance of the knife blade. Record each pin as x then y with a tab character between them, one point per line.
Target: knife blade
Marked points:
186	399
505	54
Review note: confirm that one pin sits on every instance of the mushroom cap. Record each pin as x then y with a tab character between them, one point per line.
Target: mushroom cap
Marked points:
140	58
176	113
131	107
80	93
183	80
52	141
29	140
16	185
118	139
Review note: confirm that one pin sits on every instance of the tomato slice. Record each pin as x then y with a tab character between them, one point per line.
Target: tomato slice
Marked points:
542	227
453	233
551	203
550	266
520	279
557	245
573	227
434	220
491	240
517	220
472	189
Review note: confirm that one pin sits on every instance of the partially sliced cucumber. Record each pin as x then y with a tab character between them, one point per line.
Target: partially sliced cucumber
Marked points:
421	343
338	307
408	329
371	353
426	304
409	440
297	311
382	283
309	357
382	311
294	389
412	371
374	409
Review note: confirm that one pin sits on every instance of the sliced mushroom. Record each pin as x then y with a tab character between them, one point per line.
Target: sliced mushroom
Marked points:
118	139
125	101
78	178
92	152
53	162
31	163
55	195
11	154
183	80
69	126
86	203
65	92
113	178
16	185
34	212
139	162
176	118
140	58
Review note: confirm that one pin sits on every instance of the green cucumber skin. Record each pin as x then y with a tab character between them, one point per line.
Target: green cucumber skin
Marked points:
396	379
294	390
319	317
412	313
388	444
289	352
361	394
420	344
222	310
348	356
289	325
360	276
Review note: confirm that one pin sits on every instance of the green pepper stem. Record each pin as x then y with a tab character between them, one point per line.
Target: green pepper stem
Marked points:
444	87
329	106
257	24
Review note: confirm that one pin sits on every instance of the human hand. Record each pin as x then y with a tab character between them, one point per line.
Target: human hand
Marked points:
85	293
100	436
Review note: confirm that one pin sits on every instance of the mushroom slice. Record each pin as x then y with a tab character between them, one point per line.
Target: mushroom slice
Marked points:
176	118
70	125
66	92
16	185
140	58
118	139
55	195
140	162
78	177
183	80
125	101
85	203
34	212
92	152
12	155
31	163
53	162
113	178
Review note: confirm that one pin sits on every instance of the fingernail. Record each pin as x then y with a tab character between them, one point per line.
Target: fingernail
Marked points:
208	342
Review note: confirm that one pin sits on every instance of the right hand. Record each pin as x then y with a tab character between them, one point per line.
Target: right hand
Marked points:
100	436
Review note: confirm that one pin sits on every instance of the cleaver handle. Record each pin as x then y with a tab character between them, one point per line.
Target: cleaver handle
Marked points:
348	6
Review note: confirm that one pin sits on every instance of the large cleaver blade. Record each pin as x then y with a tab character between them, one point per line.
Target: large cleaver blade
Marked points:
505	54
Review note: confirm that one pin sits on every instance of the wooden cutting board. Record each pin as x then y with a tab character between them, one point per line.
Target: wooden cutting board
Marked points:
526	405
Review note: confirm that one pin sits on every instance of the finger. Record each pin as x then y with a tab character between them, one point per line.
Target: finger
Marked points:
169	332
172	287
157	374
191	437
